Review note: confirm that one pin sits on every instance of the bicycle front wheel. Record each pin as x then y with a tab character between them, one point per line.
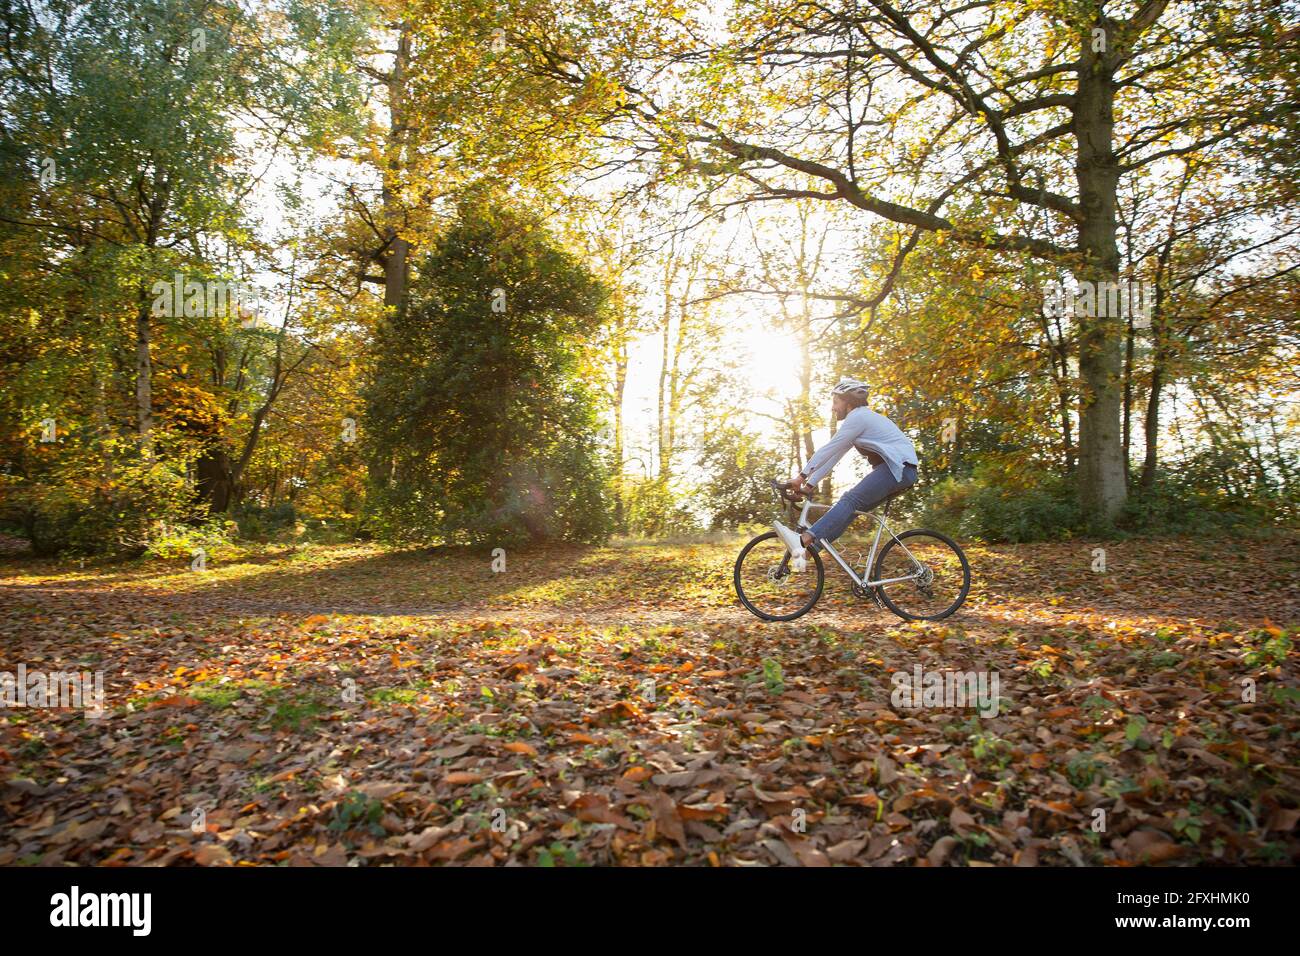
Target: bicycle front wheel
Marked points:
769	587
935	571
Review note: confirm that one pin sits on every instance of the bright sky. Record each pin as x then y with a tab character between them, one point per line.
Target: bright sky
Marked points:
767	356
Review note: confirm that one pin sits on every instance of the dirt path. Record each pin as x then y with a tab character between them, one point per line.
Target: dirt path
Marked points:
163	602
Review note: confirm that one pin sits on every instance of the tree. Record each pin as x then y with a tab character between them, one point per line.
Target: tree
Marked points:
479	426
733	492
942	121
615	254
139	130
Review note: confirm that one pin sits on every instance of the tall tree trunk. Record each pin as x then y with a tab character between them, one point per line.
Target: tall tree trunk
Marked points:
220	476
1101	478
156	209
620	386
1067	437
103	429
828	488
143	378
397	250
216	483
1128	393
677	383
1151	424
805	378
1059	357
794	445
1160	353
665	454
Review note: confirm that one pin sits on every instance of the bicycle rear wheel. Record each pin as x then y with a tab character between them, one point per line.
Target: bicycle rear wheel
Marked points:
769	587
939	572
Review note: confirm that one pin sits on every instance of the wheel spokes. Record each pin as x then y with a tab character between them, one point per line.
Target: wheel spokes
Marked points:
937	576
771	584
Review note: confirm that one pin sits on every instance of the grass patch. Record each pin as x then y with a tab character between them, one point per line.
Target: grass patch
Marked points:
223	694
297	711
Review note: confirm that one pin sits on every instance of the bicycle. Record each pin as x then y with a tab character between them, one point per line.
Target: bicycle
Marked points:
927	568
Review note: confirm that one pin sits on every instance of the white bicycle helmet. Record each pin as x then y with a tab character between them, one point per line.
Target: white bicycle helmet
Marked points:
851	386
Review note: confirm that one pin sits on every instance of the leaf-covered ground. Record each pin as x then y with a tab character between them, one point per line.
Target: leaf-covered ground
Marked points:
353	706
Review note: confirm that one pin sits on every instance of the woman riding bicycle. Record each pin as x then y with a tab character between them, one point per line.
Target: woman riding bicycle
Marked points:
875	436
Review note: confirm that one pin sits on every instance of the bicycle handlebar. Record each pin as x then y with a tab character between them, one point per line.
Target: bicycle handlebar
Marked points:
783	492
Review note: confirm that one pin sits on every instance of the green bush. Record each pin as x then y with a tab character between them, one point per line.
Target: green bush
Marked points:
1176	505
986	507
170	540
734	492
262	522
980	508
653	511
481	417
81	510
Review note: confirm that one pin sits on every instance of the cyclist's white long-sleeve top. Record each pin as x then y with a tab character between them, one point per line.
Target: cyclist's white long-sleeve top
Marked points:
867	431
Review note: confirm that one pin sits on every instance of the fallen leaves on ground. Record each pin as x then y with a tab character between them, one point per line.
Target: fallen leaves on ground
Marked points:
353	707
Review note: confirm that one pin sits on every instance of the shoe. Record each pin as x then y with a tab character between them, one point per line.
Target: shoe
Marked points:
794	544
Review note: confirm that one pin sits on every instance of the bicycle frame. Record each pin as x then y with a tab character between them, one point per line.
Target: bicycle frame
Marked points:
881	527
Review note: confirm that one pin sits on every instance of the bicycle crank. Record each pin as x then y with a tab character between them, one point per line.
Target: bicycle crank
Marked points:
873	593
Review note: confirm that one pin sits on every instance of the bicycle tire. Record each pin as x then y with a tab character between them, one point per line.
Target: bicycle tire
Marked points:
764	615
883	590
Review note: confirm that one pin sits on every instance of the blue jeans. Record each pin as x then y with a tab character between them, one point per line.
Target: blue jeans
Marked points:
863	496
